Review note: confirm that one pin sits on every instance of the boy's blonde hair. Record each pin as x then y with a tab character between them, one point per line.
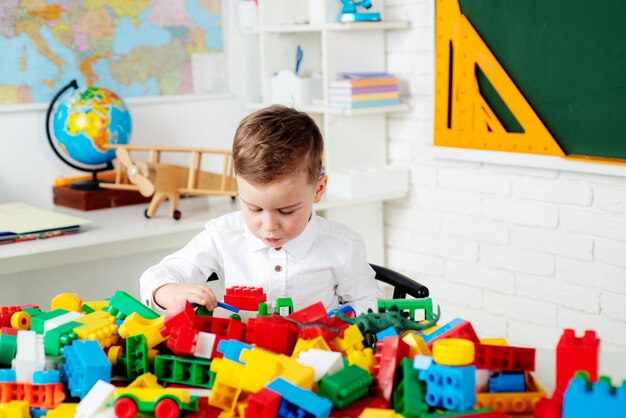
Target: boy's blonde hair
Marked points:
276	142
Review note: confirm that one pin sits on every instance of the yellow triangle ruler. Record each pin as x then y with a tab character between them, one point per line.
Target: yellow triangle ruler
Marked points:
463	118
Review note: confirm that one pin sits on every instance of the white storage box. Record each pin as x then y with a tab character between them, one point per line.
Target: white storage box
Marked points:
290	89
360	182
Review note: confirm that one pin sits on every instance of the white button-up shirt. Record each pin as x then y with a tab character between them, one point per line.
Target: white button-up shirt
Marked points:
327	262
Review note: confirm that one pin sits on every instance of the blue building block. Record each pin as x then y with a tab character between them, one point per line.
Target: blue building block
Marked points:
85	364
583	399
387	332
507	383
422	363
231	349
431	336
8	375
345	309
310	404
48	377
449	387
38	412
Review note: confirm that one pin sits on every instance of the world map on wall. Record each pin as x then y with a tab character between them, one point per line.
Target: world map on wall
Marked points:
134	48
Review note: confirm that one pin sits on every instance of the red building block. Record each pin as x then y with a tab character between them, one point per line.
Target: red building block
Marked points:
312	313
263	404
273	333
224	327
504	358
576	354
204	410
246	298
183	341
389	353
548	408
180	316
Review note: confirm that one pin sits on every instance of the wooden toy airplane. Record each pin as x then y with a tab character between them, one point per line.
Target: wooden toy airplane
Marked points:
169	181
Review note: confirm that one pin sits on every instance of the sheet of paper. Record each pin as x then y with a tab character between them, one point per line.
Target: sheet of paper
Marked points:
21	218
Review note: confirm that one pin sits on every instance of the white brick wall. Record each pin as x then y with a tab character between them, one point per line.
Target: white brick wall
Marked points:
521	252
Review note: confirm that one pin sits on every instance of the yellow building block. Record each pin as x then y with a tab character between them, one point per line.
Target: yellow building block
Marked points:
352	340
101	330
417	344
453	352
134	324
379	413
227	385
15	409
97	305
146	381
494	341
21	320
64	410
261	367
362	358
305	345
513	403
296	373
68	301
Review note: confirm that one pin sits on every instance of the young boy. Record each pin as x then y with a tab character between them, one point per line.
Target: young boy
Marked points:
276	241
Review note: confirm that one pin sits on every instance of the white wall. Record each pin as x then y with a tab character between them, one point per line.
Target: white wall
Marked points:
28	165
520	252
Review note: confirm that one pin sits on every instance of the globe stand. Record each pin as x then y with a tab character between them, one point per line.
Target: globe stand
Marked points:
92	184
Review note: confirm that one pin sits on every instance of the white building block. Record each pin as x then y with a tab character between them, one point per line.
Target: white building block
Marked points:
30	356
204	345
96	400
357	182
322	361
60	320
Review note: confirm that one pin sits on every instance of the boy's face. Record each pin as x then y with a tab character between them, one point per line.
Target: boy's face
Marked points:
279	211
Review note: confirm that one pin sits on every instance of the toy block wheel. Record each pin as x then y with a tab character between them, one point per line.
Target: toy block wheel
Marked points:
145	213
177	215
125	408
167	408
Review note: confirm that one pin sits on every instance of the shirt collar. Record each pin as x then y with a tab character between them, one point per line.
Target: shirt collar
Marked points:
298	246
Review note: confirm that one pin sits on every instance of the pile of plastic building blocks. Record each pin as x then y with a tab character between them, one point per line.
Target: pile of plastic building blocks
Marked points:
118	358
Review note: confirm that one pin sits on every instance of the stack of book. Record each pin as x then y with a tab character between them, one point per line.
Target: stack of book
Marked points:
22	222
362	90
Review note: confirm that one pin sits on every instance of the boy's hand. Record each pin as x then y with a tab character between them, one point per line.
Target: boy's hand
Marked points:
172	294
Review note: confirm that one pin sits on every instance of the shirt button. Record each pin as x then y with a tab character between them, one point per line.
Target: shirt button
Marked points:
278	269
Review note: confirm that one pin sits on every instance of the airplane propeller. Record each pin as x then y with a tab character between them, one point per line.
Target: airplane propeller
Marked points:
138	172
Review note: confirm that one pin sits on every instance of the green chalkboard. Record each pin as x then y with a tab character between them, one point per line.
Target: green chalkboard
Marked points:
569	60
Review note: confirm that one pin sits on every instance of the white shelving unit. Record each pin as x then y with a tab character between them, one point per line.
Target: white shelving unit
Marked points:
353	138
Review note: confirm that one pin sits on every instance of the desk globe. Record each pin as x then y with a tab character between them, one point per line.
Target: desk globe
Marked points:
82	124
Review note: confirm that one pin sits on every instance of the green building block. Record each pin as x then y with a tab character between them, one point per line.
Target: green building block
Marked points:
8	348
57	338
203	311
282	303
408	396
37	322
134	362
184	371
346	386
33	312
122	304
262	310
86	309
410	305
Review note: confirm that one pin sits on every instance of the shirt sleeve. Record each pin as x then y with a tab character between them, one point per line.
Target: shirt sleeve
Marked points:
194	263
358	286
